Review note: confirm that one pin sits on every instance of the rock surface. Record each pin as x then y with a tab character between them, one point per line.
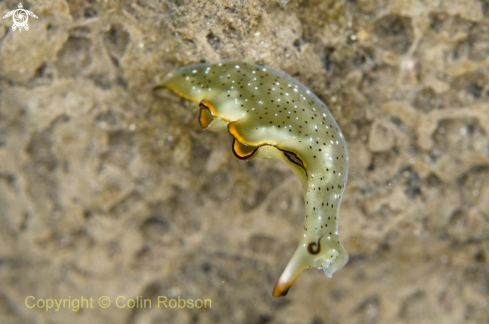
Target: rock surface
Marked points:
108	190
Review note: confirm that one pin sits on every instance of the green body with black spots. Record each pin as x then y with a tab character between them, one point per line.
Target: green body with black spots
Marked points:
272	115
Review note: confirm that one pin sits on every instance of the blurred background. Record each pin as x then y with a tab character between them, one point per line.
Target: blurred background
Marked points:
108	190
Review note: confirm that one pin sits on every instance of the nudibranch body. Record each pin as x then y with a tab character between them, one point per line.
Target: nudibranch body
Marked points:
272	115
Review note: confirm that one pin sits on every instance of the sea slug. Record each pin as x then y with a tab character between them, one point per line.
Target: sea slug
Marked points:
269	114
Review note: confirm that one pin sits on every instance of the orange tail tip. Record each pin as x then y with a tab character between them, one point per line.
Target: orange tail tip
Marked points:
286	281
281	288
290	274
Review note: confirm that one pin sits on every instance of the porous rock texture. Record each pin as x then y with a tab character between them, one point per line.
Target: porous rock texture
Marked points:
109	190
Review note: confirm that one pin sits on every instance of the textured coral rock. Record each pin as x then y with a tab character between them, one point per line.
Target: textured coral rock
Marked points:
108	190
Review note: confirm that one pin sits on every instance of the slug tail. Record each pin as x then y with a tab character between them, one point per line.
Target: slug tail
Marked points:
289	275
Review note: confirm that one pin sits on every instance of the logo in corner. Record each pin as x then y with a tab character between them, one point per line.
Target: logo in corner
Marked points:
20	17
